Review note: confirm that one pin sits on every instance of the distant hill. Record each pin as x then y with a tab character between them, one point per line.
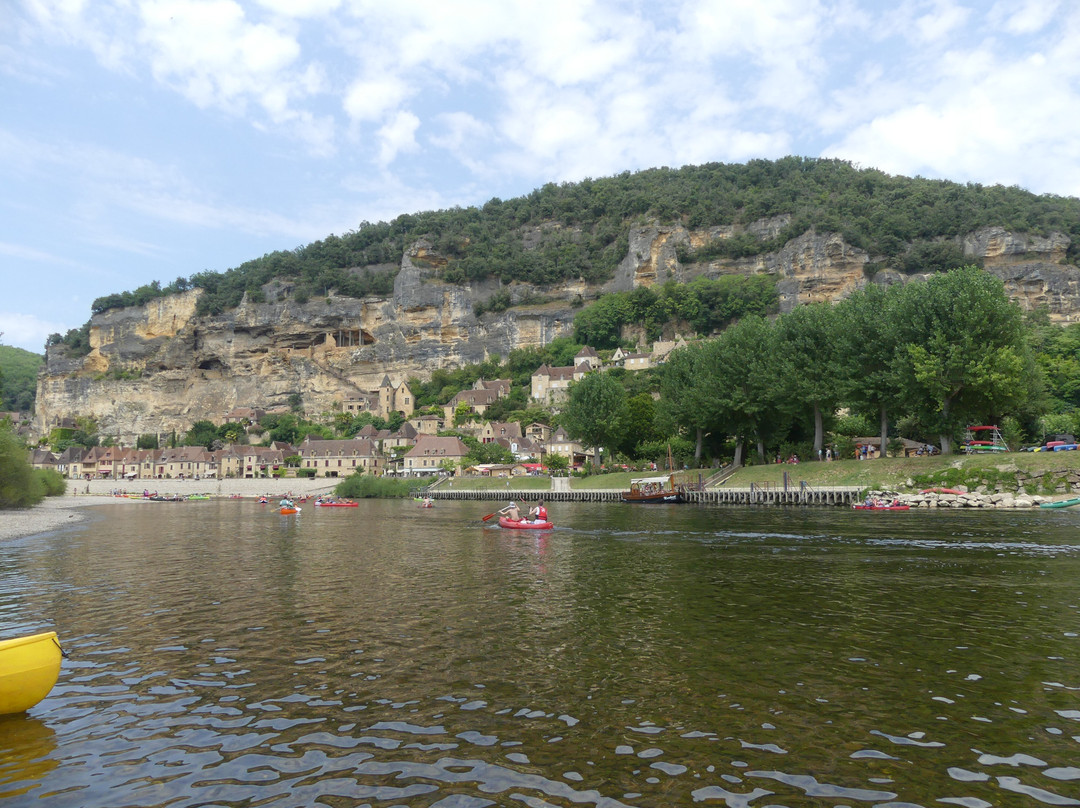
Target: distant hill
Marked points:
559	233
18	378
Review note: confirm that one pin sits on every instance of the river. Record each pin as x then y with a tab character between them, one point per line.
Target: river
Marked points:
389	655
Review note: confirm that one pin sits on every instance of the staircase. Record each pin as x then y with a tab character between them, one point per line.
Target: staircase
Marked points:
720	476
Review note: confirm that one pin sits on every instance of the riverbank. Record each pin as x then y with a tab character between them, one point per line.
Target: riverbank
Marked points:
58	512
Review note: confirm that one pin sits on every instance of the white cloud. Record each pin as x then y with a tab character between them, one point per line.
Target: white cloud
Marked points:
396	136
300	8
211	53
372	99
27	331
1024	16
942	21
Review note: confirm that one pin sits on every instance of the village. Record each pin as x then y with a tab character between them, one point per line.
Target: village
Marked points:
416	448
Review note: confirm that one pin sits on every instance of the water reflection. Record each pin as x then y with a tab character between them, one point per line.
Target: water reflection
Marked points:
222	654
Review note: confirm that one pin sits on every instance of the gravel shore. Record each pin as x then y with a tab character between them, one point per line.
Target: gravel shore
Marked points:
58	512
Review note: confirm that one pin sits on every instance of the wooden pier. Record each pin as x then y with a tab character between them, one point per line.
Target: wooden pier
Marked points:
798	494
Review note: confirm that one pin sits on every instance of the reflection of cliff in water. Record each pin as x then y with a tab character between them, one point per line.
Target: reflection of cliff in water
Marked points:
27	745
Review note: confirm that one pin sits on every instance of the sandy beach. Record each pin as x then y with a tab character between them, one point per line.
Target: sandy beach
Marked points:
58	512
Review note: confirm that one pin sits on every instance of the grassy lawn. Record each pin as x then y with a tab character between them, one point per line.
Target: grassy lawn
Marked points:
497	483
890	473
893	473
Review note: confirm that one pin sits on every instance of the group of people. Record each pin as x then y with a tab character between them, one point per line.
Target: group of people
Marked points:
537	513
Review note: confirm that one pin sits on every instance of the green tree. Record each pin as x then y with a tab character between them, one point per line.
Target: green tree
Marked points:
202	433
687	394
148	440
963	350
19	486
638	424
594	411
808	361
556	463
868	343
741	382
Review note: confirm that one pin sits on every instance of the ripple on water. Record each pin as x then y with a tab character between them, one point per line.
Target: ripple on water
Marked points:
340	662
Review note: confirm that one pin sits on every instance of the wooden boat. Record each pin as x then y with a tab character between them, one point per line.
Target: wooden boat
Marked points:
881	507
29	667
1065	503
653	489
524	525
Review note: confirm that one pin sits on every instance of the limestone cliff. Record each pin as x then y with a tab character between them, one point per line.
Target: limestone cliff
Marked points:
160	367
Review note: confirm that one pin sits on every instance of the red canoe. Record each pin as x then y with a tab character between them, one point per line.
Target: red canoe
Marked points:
523	525
338	504
881	507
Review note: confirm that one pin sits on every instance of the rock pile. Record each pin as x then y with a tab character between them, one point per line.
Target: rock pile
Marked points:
965	499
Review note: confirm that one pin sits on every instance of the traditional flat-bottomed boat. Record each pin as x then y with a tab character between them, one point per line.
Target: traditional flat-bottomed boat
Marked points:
653	489
29	667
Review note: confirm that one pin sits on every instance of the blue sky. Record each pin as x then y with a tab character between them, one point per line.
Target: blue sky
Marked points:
147	140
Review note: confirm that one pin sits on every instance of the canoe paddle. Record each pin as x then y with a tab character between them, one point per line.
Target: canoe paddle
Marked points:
484	519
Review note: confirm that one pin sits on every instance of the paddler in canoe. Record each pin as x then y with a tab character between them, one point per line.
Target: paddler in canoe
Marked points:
538	513
511	512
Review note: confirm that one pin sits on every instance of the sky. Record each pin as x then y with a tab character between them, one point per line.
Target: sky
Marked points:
145	140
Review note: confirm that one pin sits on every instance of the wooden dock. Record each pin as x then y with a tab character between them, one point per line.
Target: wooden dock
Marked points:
797	494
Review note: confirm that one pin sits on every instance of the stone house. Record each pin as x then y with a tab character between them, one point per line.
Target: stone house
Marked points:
68	463
429	453
661	349
247	416
262	461
588	356
550	385
637	361
43	459
405	436
388	398
340	458
186	463
477	401
561	444
538	433
496	429
427	424
230	461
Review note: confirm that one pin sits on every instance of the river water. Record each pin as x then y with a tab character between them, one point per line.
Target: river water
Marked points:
221	654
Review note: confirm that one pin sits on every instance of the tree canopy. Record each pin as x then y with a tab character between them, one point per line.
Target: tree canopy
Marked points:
571	231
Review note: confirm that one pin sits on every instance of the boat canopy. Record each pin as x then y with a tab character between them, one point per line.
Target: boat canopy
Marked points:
647	480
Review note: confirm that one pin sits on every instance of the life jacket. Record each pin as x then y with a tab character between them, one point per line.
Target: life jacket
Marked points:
541	513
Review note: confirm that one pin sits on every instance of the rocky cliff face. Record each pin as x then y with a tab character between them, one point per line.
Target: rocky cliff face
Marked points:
160	367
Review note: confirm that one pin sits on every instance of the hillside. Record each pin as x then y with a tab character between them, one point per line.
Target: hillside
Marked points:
581	231
18	378
686	251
